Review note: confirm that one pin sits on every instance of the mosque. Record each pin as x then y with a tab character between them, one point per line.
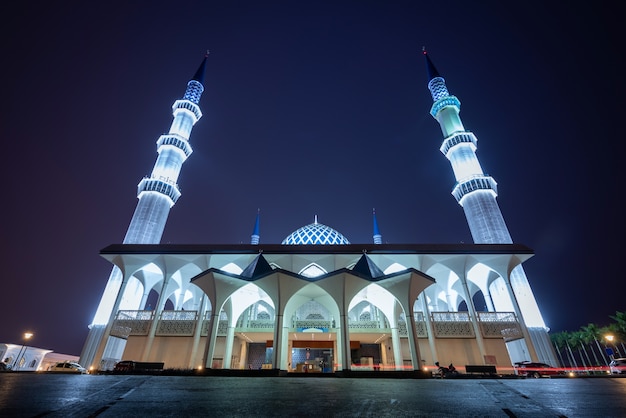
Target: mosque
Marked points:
317	303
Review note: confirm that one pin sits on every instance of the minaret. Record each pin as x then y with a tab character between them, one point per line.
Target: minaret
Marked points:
157	194
476	192
256	237
378	239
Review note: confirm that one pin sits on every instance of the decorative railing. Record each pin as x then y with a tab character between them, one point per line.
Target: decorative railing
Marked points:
402	329
420	329
452	325
135	315
179	315
222	327
313	323
176	328
453	329
364	325
445	324
132	323
510	334
450	316
124	327
497	317
121	331
499	325
260	325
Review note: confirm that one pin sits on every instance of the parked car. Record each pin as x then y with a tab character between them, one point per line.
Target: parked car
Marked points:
618	365
124	366
68	367
127	366
532	369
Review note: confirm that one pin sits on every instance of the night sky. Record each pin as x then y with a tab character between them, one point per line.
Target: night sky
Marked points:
310	108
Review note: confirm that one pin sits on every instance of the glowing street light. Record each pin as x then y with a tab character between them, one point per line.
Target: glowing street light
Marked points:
609	338
27	336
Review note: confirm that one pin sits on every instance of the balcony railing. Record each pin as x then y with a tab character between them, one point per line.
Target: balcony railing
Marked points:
444	324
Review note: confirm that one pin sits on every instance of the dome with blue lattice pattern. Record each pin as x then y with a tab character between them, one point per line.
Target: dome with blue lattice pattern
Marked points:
315	234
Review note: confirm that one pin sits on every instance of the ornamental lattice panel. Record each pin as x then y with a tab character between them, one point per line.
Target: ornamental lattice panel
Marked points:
420	329
509	330
364	325
130	327
205	328
510	334
402	329
312	323
260	325
176	328
120	331
453	329
222	328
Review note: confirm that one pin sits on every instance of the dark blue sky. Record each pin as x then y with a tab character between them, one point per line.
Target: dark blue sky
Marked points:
310	108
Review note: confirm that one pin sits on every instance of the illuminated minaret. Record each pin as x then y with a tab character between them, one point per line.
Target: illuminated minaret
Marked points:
157	194
378	239
476	192
255	237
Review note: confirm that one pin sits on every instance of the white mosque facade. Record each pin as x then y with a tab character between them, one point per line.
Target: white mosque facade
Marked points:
328	307
315	303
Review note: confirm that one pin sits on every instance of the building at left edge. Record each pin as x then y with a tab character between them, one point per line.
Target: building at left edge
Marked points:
27	358
317	303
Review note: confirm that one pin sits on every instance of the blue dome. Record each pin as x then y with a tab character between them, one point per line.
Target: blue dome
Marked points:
315	234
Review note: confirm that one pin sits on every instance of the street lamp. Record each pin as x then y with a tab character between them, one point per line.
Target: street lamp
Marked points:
27	336
609	338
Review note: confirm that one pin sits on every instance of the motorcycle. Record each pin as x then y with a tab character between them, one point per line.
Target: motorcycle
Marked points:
449	371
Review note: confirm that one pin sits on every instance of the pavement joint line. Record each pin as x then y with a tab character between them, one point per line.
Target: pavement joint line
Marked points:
508	391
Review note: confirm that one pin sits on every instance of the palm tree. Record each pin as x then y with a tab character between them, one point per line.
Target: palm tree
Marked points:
564	338
559	343
592	332
577	340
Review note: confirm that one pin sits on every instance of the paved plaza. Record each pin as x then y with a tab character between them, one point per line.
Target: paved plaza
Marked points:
51	395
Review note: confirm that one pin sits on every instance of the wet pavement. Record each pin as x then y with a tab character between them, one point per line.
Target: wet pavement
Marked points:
53	395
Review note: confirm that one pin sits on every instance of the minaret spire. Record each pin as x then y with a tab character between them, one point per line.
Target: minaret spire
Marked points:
378	239
431	70
476	192
199	75
157	193
255	237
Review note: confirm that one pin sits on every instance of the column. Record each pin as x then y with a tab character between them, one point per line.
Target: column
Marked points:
413	343
429	328
278	338
397	351
155	320
520	320
474	318
209	348
228	351
107	330
345	356
197	333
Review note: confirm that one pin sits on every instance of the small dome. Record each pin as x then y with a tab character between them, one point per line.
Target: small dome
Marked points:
315	234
